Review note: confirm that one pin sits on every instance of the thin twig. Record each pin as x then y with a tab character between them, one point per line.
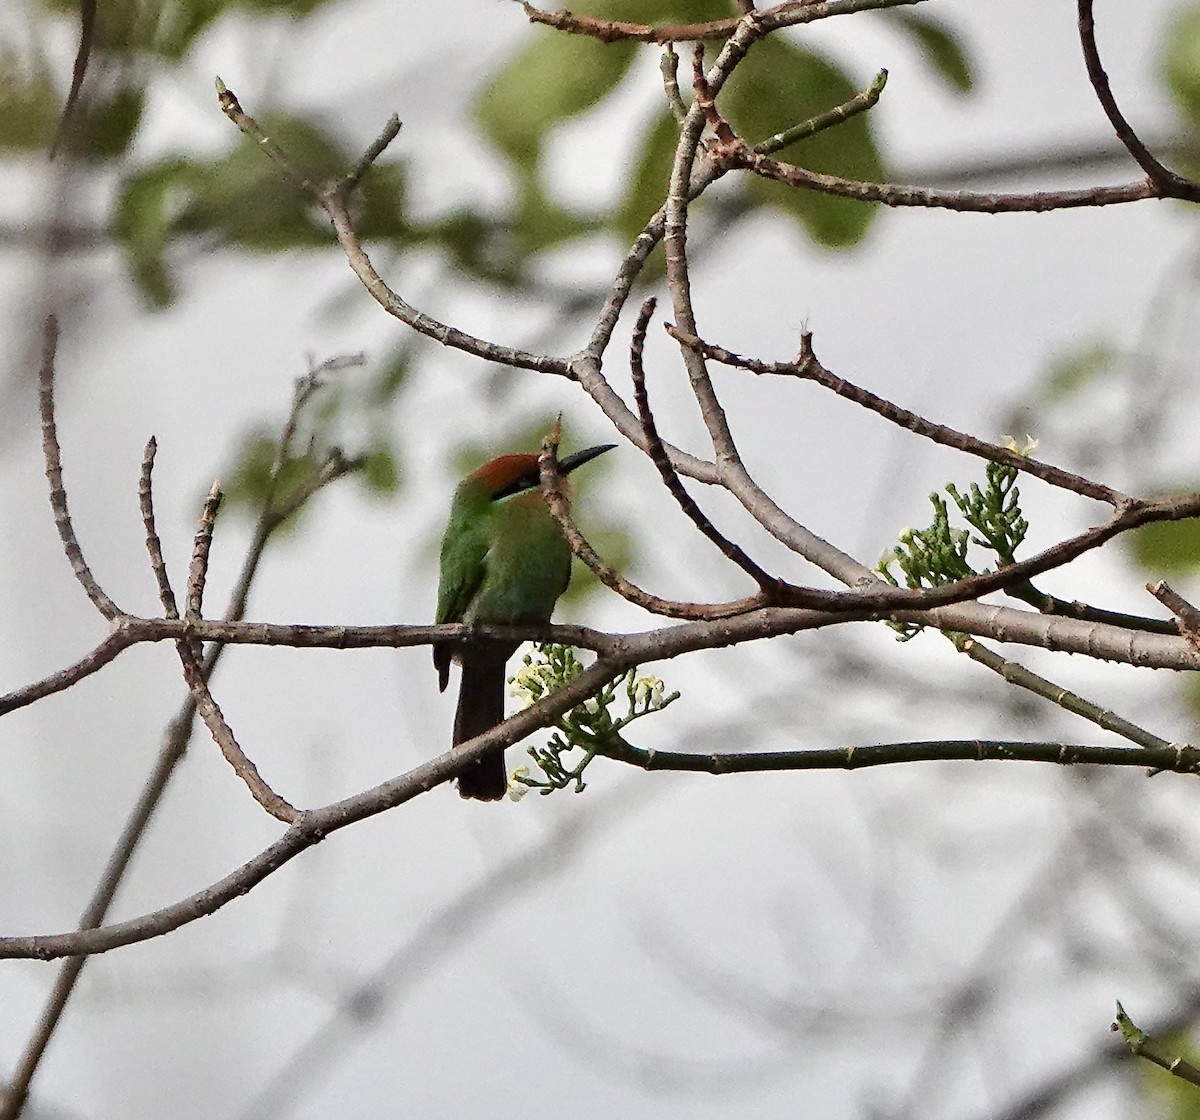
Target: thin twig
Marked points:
197	679
1147	1047
1073	608
222	733
553	491
54	475
658	456
119	640
153	544
334	201
1181	760
675	243
1166	181
807	366
668	64
782	15
1016	674
201	545
839	114
87	31
741	154
1187	617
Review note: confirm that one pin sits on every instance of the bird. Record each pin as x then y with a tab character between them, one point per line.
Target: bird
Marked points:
504	561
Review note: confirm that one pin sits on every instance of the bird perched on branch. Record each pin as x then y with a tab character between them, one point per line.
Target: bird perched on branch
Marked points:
505	561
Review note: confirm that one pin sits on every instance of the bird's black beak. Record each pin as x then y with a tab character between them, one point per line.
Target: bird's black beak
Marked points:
531	479
567	465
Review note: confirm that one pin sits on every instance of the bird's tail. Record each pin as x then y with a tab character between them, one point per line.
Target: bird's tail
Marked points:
480	708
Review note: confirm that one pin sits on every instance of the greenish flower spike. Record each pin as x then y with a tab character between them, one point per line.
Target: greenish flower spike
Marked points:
938	554
592	728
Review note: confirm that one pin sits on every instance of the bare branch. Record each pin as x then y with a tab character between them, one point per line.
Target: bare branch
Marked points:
1072	702
335	202
309	829
63	679
198	572
782	15
87	31
1165	181
1178	759
54	475
1187	617
659	457
930	198
807	366
153	545
222	733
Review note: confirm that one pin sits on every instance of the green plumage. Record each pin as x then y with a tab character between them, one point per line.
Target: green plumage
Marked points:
504	561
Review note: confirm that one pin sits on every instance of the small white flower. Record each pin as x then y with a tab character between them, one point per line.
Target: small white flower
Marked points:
530	683
648	691
1023	449
591	705
516	787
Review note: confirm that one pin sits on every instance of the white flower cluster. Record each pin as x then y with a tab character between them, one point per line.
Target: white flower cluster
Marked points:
533	681
647	692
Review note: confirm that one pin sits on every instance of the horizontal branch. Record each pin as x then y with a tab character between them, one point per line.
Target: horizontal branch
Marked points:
1067	635
788	14
930	198
1178	759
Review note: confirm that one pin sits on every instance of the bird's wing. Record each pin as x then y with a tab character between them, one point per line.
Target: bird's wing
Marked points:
464	563
463	569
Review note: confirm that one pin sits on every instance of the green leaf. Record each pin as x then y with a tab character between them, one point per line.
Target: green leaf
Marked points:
29	103
380	474
1167	548
780	85
142	225
245	198
104	128
249	483
1181	62
393	377
554	78
541	223
1071	374
380	204
942	49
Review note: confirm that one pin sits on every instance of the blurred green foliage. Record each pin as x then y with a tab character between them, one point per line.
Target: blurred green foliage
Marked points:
1181	62
235	199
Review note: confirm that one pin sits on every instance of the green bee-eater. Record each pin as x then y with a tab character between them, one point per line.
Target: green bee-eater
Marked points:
505	562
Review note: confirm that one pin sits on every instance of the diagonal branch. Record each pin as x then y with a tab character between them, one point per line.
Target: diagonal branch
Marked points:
335	200
807	366
659	457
